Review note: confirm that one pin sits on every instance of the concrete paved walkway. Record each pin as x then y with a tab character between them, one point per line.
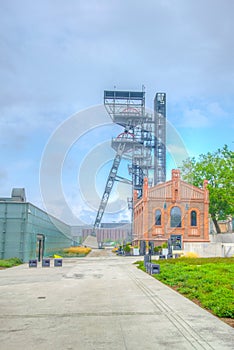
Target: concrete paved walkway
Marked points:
101	302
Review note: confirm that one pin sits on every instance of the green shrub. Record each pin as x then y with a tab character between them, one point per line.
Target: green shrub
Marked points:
156	249
127	248
10	262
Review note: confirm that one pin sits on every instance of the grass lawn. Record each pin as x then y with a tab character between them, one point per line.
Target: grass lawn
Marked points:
207	281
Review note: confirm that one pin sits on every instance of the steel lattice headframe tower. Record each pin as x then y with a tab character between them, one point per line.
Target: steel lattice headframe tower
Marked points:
142	141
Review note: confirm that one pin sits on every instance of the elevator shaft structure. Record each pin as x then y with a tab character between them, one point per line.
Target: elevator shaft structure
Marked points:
160	138
142	141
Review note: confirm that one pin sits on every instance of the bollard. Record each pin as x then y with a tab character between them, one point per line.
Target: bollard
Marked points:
162	257
45	262
147	258
155	269
32	263
148	267
58	262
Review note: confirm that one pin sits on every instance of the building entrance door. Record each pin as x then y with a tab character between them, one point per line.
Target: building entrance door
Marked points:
176	242
40	247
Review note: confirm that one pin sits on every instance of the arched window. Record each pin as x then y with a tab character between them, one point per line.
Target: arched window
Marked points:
158	217
193	218
175	217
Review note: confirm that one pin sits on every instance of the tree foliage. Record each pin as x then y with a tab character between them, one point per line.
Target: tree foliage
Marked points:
218	169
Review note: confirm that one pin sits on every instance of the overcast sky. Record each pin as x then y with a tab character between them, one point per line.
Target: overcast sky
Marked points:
56	59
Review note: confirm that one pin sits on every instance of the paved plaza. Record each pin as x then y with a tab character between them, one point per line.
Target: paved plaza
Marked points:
101	302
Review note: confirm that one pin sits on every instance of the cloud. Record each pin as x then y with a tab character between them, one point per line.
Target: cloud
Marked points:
194	118
207	115
216	110
3	175
87	216
62	53
56	59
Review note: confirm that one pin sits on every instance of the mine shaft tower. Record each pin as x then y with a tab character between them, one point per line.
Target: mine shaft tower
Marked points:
142	141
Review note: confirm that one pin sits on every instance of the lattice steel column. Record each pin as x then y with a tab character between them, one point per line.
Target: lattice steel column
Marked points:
160	138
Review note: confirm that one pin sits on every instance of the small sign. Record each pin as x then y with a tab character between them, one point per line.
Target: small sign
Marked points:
32	263
58	262
45	262
155	269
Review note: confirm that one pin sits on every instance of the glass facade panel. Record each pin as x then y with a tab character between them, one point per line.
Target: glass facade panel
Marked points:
20	225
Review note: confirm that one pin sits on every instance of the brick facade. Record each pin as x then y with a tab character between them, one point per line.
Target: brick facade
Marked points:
172	207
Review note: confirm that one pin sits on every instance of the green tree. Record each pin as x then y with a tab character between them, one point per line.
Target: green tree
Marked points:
218	169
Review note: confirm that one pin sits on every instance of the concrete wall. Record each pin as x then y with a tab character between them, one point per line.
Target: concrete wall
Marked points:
221	245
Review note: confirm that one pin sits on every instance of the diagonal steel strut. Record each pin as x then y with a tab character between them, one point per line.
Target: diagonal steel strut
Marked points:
109	185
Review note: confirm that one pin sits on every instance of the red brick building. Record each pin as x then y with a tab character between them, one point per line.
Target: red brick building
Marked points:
171	208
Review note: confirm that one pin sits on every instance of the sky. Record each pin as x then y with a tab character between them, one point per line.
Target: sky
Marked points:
57	58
